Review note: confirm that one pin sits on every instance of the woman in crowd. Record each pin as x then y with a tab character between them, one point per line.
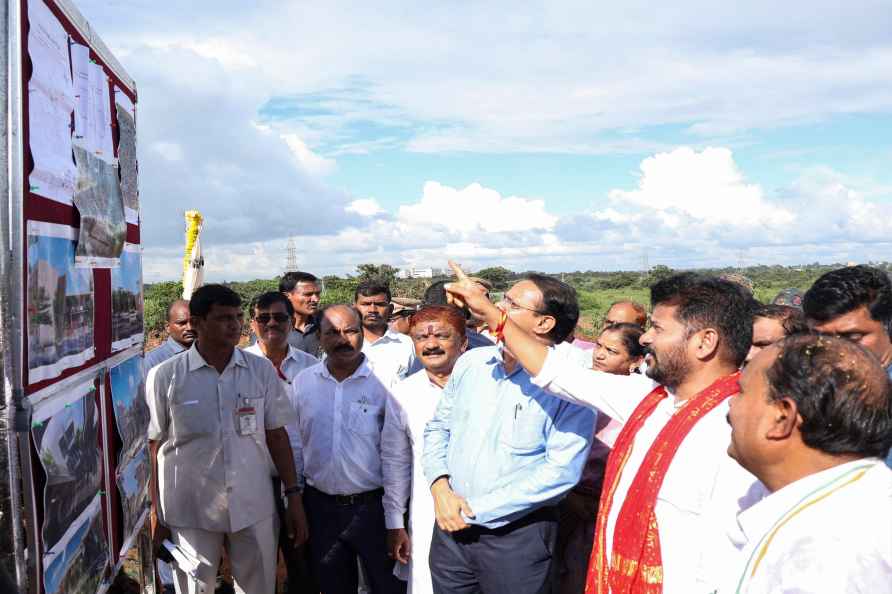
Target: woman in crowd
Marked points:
616	351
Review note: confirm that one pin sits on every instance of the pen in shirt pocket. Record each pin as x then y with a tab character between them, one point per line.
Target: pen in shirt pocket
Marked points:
517	408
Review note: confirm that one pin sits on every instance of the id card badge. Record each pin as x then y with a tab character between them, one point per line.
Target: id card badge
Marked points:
246	417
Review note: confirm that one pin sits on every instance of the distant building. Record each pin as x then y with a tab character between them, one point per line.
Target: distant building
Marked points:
413	272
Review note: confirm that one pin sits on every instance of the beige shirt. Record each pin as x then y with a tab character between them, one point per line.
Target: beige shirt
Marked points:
214	472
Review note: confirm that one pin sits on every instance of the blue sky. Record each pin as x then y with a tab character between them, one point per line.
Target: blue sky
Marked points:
550	136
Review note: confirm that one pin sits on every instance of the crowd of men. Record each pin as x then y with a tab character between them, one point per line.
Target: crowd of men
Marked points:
460	446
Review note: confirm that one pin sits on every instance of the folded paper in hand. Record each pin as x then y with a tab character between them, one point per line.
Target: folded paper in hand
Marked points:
185	560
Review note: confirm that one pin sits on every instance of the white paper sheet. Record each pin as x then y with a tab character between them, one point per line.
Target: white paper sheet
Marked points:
99	114
80	62
127	156
50	100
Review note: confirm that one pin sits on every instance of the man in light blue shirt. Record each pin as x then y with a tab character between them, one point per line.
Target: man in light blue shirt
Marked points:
499	455
180	336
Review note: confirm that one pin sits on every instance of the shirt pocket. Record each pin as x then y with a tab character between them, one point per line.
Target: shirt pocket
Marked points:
364	419
192	418
526	432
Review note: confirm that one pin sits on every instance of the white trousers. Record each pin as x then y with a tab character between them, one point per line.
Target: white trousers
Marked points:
253	554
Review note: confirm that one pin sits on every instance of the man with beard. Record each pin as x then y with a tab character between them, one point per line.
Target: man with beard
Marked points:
438	332
180	336
340	407
271	320
670	491
390	354
303	290
500	453
812	420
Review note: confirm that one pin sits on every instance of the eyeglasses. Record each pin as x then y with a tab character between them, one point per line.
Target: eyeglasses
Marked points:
515	306
264	318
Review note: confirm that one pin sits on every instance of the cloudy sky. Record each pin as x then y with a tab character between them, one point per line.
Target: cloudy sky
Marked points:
551	136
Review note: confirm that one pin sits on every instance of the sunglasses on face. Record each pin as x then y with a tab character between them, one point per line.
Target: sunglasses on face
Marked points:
265	318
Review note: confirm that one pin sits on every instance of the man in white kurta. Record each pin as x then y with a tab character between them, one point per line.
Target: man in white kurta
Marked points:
438	334
703	489
812	420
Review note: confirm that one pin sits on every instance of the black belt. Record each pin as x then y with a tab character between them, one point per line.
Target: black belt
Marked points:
349	499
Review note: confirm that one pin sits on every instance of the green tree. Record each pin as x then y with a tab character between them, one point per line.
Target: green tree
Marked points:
499	276
158	298
656	274
385	272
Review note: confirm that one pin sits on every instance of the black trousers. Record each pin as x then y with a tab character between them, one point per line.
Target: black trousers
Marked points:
514	559
339	534
297	560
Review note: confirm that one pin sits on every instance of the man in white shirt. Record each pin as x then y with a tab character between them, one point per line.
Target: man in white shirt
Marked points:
216	435
271	318
390	354
668	465
813	420
438	332
340	407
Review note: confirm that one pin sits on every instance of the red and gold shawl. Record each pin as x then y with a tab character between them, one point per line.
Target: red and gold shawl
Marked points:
636	565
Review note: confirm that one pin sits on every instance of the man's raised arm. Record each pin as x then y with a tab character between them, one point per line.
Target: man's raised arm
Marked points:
614	395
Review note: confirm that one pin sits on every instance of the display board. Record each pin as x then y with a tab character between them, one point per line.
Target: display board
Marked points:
74	198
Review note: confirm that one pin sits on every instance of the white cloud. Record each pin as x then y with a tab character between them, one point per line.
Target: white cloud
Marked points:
169	151
669	216
366	207
706	186
475	208
308	160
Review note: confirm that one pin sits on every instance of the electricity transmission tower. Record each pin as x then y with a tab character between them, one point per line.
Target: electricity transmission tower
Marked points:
290	255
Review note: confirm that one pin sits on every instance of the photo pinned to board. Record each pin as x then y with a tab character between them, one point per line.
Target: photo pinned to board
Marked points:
60	301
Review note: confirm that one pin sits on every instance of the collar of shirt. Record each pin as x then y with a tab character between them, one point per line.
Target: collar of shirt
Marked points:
196	361
312	322
364	370
758	519
498	361
292	354
389	336
174	346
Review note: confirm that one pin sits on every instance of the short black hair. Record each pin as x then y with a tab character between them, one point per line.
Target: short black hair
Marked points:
841	392
846	289
709	302
289	280
631	334
372	286
205	297
435	294
558	301
265	300
791	318
321	314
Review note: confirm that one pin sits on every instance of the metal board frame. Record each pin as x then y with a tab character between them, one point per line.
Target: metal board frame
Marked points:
12	256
